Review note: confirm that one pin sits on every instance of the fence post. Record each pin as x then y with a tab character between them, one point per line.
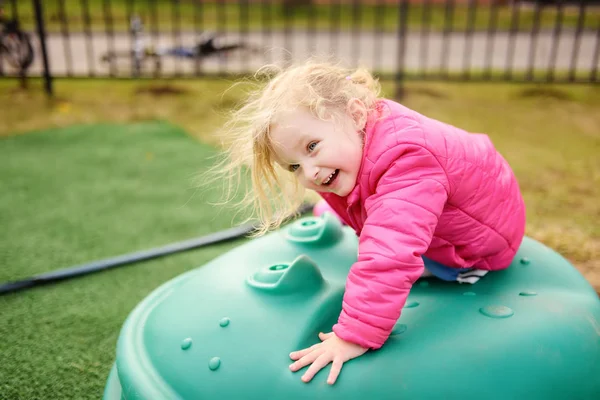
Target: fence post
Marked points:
402	20
39	19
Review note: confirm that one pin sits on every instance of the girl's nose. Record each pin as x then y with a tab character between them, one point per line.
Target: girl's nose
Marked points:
311	173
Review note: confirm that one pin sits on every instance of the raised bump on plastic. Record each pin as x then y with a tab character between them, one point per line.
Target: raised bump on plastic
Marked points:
411	304
525	261
269	275
528	293
186	344
326	229
399	328
496	311
224	322
214	363
299	276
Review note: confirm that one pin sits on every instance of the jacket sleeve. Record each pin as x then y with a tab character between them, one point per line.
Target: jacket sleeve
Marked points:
402	215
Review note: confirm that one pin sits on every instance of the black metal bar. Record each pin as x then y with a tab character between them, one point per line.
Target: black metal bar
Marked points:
312	28
533	41
594	71
221	26
64	27
198	25
555	41
356	29
379	24
448	23
1	64
41	30
176	32
402	21
514	29
89	44
491	35
244	20
152	8
335	17
14	16
469	30
129	14
287	34
577	41
15	10
108	20
424	39
267	31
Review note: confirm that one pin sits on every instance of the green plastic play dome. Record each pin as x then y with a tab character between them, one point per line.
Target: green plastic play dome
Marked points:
225	330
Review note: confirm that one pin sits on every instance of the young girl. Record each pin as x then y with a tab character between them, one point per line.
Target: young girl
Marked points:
412	188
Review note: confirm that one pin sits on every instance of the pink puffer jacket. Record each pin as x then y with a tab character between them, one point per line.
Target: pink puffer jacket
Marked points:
424	188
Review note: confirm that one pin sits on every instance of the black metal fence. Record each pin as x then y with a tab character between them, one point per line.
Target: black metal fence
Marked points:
506	40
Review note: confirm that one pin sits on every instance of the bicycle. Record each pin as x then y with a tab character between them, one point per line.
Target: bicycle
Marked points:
15	44
140	53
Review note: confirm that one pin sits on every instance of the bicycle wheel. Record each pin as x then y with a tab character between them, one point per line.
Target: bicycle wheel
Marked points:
17	49
130	62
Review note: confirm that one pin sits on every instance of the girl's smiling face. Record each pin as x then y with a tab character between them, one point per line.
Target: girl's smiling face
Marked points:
323	155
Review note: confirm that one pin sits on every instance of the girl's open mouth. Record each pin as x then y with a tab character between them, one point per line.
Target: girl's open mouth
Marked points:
331	178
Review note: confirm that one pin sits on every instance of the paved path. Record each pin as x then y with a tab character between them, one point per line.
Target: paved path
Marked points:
380	52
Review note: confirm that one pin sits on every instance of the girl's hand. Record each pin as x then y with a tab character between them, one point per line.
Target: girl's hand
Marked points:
331	349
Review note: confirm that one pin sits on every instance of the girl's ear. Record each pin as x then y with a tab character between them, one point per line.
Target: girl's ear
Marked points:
358	112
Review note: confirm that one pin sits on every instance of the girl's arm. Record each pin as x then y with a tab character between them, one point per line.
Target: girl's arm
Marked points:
402	214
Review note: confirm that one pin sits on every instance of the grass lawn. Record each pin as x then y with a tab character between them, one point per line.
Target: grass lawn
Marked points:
211	15
84	192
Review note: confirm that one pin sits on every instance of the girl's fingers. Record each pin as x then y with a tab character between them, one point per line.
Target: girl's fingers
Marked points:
336	367
294	355
305	360
324	336
316	366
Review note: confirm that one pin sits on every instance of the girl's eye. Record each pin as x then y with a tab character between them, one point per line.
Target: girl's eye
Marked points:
293	167
311	146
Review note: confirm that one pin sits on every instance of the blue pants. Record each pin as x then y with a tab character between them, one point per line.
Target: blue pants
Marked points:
462	275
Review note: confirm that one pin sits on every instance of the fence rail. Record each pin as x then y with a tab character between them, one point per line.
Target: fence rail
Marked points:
522	41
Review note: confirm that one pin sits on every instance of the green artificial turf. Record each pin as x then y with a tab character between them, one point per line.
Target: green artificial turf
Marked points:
80	194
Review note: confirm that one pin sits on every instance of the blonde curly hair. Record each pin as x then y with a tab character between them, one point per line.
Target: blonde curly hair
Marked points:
272	194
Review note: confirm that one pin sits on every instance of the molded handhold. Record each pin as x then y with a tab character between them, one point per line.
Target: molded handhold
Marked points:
324	230
299	276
